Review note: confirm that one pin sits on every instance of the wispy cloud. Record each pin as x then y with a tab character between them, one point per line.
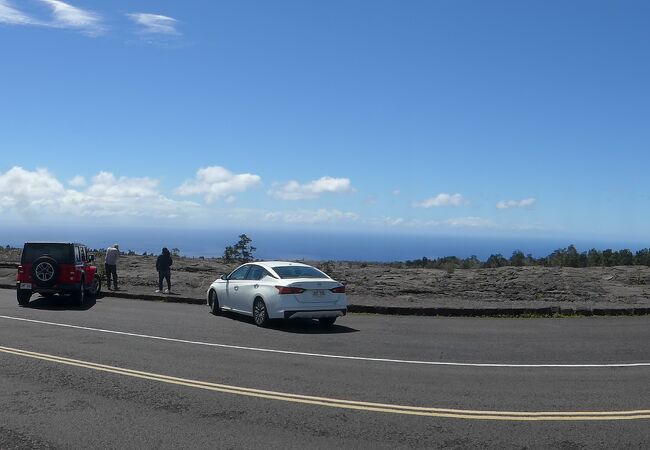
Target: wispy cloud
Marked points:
155	24
12	16
469	222
510	204
385	221
442	199
455	222
72	17
311	216
296	191
215	182
64	16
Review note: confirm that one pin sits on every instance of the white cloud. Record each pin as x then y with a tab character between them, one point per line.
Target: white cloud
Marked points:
442	199
397	192
510	204
469	222
77	181
458	222
11	16
529	227
40	194
296	191
68	16
155	23
64	16
21	189
311	216
216	182
386	221
107	186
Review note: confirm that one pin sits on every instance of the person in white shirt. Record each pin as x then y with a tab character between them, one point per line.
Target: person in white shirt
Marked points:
110	264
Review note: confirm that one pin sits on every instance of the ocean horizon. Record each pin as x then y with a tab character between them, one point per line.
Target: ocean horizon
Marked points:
306	245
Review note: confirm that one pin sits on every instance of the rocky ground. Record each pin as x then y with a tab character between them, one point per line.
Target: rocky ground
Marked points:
384	285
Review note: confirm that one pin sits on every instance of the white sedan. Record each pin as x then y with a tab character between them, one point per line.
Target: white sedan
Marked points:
278	290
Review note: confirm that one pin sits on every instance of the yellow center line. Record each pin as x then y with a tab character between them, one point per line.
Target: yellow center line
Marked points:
340	403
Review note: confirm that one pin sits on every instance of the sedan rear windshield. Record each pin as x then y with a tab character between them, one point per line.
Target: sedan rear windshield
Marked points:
299	272
62	253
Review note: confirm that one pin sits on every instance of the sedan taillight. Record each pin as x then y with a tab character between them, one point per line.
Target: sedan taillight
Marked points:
338	290
289	290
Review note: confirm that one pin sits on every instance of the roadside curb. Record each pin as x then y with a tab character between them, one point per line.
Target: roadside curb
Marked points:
416	311
497	312
148	297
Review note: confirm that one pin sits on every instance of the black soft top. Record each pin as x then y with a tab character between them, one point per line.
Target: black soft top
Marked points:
62	252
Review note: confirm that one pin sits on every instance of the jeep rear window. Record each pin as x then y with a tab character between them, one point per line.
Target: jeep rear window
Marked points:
62	253
298	272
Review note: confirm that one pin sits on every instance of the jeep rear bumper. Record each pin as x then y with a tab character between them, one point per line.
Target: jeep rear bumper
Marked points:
68	288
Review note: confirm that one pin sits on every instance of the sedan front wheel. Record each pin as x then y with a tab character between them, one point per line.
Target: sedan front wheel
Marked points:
213	301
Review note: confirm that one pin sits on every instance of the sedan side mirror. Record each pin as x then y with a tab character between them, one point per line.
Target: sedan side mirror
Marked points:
223	277
91	258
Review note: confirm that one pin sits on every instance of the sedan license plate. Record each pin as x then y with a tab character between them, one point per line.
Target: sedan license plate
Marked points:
25	285
319	292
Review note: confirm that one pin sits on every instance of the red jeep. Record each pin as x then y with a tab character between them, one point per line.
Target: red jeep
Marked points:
49	268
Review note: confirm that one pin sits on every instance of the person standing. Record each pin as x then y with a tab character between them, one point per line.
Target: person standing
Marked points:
110	265
163	266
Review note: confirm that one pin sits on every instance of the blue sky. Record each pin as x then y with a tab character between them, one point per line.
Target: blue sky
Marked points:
500	118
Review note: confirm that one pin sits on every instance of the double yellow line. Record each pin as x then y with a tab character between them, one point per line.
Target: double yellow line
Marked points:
338	403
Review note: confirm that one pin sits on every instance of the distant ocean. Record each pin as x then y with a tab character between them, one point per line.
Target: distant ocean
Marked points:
297	245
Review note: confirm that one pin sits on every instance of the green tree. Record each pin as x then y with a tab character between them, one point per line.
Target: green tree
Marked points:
556	259
517	259
471	263
625	257
609	258
594	258
642	257
496	261
571	257
242	251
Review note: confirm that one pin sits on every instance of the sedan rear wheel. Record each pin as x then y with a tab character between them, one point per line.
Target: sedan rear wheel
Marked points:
326	322
260	314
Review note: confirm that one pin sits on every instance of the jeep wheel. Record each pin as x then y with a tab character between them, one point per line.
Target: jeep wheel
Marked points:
79	297
95	287
23	296
45	271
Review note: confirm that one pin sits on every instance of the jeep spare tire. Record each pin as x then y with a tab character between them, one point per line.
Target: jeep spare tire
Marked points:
45	271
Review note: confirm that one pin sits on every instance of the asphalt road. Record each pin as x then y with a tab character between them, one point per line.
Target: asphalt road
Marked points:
135	374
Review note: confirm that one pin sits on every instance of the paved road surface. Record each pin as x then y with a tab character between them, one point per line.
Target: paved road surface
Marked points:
135	374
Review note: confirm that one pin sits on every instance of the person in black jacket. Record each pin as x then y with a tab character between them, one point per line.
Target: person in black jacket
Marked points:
163	266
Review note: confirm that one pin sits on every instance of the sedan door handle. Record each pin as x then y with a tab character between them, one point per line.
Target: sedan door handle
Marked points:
236	288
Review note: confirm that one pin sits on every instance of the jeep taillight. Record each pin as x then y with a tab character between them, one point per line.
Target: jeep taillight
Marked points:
20	274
